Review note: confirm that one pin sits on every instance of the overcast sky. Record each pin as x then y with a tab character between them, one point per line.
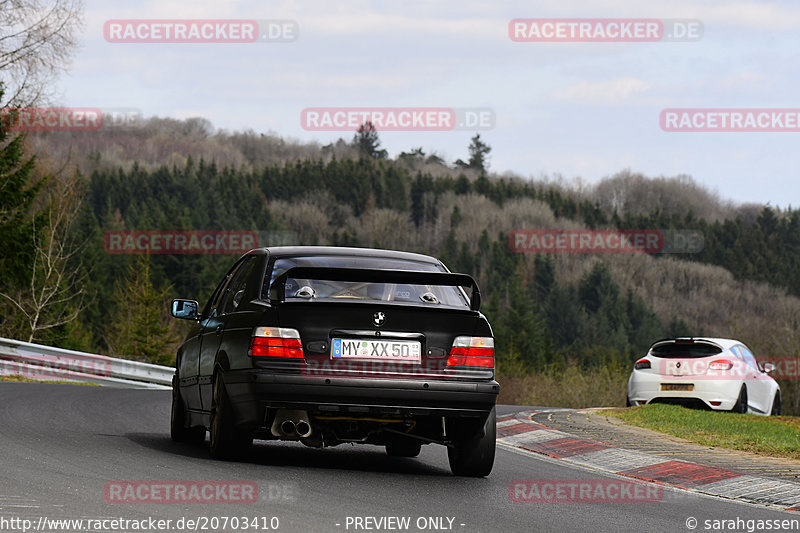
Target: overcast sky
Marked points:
575	109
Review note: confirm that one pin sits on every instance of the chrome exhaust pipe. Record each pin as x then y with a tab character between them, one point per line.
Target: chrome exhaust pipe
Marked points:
288	428
291	424
303	428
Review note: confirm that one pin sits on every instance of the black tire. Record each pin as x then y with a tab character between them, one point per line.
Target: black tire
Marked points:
177	423
225	441
776	404
741	403
403	449
628	401
473	455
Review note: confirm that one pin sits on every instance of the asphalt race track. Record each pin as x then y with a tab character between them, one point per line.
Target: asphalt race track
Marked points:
62	444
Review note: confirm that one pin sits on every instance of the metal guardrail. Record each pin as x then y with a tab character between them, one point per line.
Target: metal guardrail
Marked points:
39	362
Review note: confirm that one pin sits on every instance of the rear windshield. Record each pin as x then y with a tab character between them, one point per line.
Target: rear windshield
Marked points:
685	349
324	290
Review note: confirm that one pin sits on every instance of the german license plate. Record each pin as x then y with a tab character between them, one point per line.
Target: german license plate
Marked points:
677	386
380	350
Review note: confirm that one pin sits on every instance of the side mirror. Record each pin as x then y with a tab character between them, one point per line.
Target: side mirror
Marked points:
186	309
767	367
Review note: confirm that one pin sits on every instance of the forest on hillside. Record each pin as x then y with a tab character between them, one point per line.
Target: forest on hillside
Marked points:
548	311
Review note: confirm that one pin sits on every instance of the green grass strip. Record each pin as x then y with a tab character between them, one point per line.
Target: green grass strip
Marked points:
777	436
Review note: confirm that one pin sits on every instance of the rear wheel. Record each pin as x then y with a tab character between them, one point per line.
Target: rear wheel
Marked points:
472	455
741	403
226	442
776	404
403	449
177	426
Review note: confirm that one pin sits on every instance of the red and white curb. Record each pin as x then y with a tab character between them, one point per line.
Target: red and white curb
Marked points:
519	431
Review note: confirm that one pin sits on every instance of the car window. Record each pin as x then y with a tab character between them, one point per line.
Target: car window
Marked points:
232	294
364	291
749	357
216	297
214	306
685	349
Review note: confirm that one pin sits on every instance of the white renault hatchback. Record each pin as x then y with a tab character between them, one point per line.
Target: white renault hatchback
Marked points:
721	374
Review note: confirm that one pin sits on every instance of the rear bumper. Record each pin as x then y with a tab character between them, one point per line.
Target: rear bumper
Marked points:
645	387
251	392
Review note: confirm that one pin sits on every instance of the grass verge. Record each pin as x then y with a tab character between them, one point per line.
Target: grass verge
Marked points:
776	436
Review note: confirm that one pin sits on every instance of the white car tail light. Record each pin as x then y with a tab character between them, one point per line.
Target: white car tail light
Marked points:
720	364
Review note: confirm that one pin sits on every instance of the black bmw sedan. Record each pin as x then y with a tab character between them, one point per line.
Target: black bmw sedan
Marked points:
328	345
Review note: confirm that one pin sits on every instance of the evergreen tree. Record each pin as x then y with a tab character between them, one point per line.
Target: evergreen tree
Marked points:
478	150
140	327
18	190
544	276
598	288
367	141
566	318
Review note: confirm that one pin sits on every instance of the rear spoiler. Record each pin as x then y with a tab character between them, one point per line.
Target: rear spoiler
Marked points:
685	340
277	291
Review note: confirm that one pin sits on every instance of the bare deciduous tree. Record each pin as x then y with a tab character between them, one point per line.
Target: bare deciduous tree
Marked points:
37	38
54	294
628	192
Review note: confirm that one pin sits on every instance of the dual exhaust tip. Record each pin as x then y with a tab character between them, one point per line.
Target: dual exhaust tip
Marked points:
300	428
291	424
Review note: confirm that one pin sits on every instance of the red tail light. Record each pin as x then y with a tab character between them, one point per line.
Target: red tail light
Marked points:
720	364
641	364
472	351
276	342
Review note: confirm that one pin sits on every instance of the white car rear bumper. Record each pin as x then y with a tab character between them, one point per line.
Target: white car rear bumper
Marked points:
644	387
